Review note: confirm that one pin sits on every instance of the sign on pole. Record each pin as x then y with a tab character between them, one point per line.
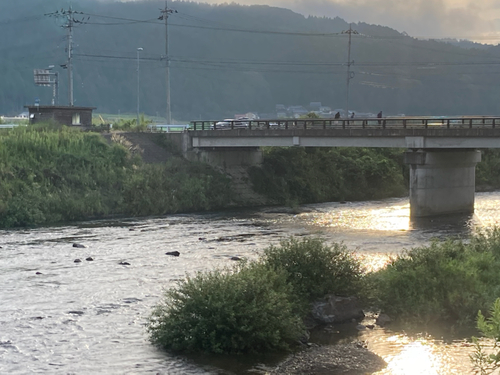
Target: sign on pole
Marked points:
42	77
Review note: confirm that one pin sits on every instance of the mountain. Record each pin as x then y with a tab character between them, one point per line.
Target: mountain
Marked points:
227	59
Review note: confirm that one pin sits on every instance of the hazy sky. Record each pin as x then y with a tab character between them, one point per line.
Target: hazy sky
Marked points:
472	19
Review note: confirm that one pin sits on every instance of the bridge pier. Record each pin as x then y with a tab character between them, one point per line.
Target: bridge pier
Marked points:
442	182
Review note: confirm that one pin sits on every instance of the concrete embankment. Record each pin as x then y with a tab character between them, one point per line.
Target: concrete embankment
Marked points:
153	149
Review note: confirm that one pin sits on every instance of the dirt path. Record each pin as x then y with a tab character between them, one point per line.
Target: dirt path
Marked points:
151	151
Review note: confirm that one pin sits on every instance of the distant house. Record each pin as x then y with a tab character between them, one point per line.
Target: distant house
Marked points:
247	116
297	111
64	115
315	106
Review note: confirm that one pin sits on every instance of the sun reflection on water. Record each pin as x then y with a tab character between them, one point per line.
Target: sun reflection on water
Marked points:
382	218
416	358
422	356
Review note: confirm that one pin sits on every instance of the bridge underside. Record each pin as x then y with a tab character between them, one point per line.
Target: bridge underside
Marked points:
442	161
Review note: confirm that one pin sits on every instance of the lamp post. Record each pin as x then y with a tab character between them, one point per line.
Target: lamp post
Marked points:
138	83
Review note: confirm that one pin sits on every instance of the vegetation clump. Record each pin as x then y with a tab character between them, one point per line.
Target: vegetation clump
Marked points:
315	269
236	311
490	328
256	307
446	281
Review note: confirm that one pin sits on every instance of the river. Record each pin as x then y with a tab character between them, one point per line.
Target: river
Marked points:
58	316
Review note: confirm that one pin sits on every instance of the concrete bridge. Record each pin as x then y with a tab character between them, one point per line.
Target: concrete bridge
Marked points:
442	151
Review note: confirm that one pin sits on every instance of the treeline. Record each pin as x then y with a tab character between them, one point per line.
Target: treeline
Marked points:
306	175
59	175
300	175
219	69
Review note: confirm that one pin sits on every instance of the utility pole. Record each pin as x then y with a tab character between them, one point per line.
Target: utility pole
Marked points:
69	27
164	16
350	75
71	21
138	85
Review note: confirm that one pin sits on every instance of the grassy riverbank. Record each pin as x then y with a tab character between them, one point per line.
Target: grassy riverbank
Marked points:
52	175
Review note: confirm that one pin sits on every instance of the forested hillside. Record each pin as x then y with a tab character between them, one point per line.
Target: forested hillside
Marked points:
229	59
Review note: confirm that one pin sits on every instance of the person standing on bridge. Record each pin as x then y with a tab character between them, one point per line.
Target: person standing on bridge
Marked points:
337	116
379	115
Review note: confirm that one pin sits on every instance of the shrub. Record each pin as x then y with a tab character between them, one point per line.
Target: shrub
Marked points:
490	328
227	311
315	269
446	281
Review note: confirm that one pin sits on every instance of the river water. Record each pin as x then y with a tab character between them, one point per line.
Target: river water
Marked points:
62	317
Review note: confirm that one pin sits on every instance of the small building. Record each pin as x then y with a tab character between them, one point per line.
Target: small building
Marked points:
64	115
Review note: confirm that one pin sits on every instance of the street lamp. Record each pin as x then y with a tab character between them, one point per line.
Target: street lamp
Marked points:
138	59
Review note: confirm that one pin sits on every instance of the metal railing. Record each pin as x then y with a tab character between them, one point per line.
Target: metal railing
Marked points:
351	123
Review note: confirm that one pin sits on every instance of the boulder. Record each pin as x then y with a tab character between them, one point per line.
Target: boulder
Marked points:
333	309
383	319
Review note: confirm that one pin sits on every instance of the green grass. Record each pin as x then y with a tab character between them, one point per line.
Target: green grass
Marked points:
53	174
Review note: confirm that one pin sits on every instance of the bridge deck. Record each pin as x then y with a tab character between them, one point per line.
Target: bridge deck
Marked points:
403	132
356	123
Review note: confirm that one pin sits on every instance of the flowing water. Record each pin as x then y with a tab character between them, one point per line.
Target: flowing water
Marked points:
58	316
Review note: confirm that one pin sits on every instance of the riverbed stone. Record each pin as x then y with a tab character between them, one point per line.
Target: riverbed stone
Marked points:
173	253
383	319
351	358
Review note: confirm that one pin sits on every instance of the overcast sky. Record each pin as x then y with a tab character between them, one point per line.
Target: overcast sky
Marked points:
466	19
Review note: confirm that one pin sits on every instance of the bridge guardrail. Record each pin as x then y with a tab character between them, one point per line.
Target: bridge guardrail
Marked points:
352	123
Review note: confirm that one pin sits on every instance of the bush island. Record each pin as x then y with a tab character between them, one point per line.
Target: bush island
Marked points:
227	311
446	281
257	307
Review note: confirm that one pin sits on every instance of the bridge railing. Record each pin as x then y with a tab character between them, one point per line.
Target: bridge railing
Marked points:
351	123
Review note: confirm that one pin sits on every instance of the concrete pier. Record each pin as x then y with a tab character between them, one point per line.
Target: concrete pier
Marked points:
442	182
